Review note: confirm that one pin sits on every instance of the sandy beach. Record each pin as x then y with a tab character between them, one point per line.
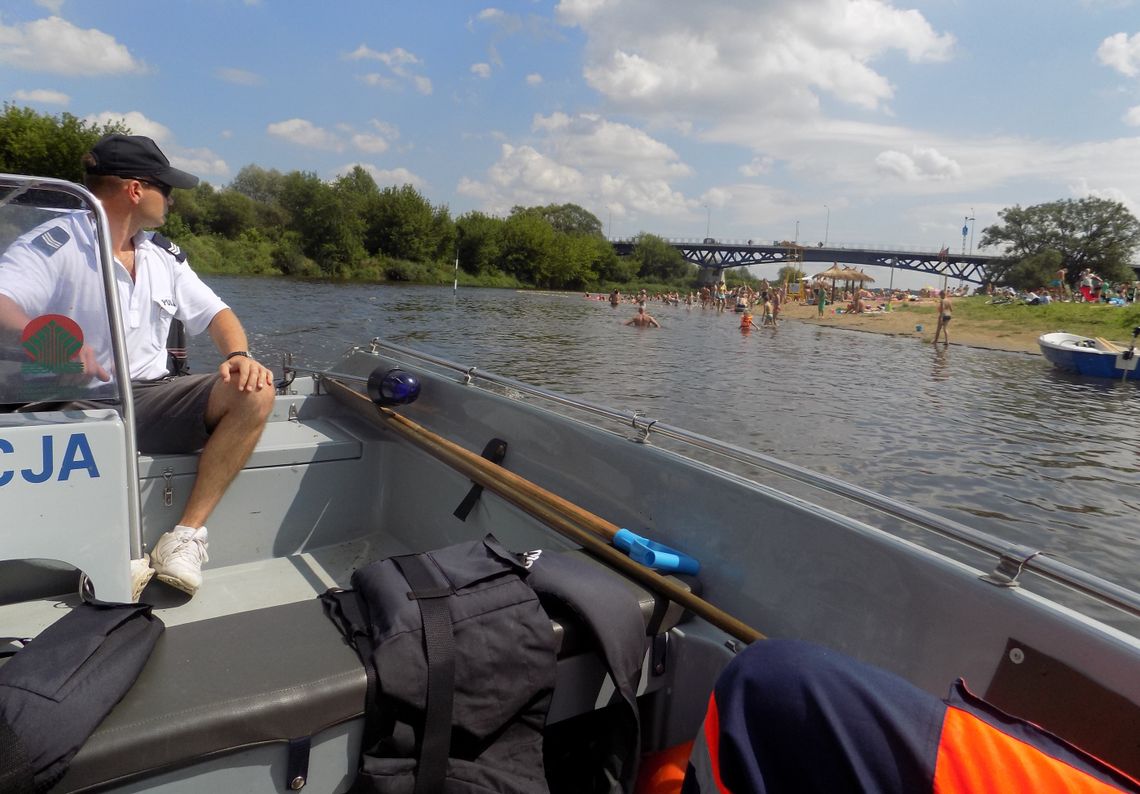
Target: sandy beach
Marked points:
903	319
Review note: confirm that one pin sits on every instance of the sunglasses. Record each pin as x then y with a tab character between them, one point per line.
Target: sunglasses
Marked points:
165	189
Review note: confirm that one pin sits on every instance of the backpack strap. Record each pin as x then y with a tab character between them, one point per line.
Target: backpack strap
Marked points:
612	613
345	609
439	651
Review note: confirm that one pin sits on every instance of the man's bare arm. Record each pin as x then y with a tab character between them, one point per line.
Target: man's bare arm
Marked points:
229	337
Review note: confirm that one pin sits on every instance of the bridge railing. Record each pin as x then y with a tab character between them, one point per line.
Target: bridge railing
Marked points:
845	246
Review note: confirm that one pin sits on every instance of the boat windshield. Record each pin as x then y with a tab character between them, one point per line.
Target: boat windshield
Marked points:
55	335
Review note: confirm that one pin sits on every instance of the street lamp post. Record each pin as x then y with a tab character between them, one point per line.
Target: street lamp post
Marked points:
708	220
827	226
797	240
966	228
973	223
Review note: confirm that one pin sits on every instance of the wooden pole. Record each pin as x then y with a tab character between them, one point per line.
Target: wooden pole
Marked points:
581	526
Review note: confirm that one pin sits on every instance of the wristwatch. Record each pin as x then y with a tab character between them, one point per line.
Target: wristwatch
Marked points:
239	353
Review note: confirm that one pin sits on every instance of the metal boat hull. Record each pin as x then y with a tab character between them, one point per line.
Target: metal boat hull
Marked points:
1084	356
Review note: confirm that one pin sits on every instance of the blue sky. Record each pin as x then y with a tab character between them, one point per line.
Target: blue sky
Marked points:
868	121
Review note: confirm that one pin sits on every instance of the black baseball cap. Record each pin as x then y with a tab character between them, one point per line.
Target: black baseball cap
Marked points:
136	156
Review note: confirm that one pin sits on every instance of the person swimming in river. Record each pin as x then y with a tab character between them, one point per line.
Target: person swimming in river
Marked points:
746	320
642	319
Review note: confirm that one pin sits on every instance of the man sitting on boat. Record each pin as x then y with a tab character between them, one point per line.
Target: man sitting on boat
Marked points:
51	271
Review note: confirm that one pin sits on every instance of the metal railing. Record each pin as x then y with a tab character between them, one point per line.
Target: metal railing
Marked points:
1012	559
20	185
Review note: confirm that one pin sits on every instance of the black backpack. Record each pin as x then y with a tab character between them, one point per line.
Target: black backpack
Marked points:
461	658
55	691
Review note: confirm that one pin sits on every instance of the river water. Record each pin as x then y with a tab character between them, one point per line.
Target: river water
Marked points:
998	441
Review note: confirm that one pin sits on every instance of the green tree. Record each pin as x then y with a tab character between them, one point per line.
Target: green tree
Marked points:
329	232
259	184
1035	270
789	274
527	247
659	261
400	225
195	207
46	145
1090	233
233	213
567	218
479	238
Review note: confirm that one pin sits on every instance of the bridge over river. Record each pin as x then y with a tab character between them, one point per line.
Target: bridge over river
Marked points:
716	255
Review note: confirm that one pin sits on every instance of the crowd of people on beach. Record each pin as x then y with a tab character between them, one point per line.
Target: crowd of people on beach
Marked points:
1087	288
759	305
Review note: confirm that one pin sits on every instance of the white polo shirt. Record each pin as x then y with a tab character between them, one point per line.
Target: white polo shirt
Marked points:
53	269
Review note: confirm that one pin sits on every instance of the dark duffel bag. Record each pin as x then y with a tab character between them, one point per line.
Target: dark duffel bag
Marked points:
460	660
56	690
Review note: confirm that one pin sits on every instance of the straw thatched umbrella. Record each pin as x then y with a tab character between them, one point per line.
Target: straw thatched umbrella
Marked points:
833	273
851	275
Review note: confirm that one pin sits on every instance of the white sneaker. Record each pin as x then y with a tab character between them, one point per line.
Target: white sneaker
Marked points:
178	556
141	572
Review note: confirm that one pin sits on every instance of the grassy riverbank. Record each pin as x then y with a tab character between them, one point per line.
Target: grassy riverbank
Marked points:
977	323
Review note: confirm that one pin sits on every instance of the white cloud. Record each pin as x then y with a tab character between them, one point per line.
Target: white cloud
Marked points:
200	161
238	76
481	70
55	46
304	133
396	58
1132	117
921	165
673	58
136	122
42	96
54	6
588	160
372	144
389	131
401	66
385	177
590	141
758	167
1121	53
534	78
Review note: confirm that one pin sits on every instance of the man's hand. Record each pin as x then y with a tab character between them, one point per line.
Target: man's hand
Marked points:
90	368
245	373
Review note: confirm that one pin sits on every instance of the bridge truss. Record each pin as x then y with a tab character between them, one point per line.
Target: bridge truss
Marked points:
717	256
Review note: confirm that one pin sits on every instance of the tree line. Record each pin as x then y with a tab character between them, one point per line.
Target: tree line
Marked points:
295	223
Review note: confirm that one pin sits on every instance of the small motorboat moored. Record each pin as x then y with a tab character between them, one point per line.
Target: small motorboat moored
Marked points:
1089	356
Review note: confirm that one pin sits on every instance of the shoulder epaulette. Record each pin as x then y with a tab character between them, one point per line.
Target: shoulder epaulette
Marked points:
169	247
52	240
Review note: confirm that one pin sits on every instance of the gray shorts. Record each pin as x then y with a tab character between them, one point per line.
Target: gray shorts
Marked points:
170	414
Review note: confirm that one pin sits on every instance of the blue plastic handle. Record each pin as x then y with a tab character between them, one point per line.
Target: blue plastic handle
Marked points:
654	555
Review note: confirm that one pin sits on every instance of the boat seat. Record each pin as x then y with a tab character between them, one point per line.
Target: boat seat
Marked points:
282	443
266	675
